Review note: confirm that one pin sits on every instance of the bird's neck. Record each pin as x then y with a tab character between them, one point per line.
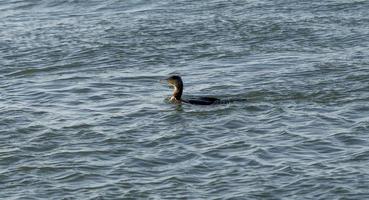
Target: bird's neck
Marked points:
177	93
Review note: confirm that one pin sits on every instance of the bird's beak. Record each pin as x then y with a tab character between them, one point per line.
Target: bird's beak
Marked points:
162	81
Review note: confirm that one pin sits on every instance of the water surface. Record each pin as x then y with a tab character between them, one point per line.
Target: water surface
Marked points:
83	115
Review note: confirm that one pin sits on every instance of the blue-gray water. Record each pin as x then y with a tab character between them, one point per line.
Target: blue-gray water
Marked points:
83	115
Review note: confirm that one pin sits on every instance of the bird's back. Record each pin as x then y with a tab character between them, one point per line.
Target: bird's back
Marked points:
201	100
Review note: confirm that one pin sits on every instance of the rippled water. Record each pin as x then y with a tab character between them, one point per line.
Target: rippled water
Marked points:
83	114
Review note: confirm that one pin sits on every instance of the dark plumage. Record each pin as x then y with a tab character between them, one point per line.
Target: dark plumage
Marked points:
177	83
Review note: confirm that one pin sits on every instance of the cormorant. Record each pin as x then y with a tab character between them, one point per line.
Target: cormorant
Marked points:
177	83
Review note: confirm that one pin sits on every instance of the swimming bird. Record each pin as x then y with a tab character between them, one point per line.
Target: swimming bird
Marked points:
177	84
